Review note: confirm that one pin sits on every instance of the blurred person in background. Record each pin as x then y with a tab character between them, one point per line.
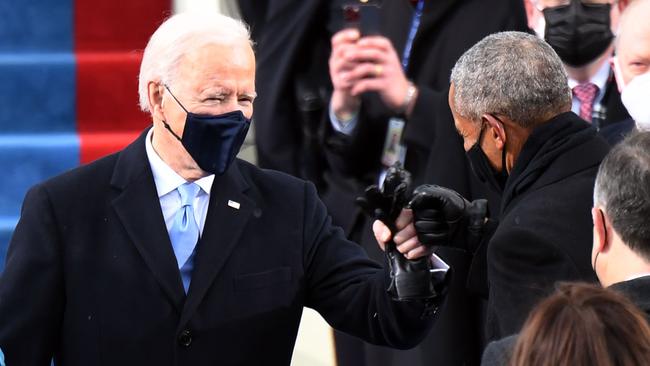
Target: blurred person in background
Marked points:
292	45
388	105
632	69
621	235
583	325
582	34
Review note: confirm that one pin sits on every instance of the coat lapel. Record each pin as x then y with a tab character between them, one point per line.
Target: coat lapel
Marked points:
138	208
223	227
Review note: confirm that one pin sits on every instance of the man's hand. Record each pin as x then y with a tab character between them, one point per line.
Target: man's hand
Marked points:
344	104
406	240
378	69
369	64
439	212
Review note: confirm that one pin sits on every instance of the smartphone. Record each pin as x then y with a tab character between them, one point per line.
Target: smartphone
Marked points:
364	17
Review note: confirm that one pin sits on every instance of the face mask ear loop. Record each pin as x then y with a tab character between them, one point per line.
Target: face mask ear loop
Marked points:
602	215
503	159
181	105
503	152
480	135
170	130
176	99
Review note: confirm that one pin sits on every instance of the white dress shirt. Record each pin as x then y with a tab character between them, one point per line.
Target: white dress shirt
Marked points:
167	180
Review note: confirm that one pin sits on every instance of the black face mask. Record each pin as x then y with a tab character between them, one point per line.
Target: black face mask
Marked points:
578	32
483	170
212	141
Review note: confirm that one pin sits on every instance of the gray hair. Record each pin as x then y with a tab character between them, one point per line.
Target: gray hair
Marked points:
179	35
622	189
513	74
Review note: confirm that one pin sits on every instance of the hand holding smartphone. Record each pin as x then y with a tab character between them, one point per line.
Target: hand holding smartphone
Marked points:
362	16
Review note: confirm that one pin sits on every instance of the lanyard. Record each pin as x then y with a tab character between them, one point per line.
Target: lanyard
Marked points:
415	24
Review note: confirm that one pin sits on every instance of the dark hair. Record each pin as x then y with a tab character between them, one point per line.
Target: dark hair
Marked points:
581	324
623	190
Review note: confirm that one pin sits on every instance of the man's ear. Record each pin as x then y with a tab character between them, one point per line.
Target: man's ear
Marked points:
622	4
601	237
495	130
530	13
155	94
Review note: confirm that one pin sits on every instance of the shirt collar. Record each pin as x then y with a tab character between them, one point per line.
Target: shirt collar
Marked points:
637	276
165	178
599	79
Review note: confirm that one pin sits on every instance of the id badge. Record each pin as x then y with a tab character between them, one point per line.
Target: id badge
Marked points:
394	150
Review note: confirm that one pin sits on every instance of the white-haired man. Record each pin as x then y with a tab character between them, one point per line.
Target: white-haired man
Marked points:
172	252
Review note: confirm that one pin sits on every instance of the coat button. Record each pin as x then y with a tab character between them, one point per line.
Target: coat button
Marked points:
185	338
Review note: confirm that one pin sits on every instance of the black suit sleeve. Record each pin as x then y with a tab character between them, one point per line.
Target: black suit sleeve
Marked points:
31	287
349	289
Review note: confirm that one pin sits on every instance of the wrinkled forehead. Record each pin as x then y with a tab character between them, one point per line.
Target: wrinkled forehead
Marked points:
214	62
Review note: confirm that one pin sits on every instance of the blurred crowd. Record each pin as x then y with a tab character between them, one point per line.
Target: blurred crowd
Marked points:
511	105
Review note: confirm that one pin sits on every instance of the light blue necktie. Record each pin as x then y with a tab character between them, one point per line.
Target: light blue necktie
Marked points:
184	233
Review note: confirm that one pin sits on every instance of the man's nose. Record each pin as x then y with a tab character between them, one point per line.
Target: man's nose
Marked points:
246	110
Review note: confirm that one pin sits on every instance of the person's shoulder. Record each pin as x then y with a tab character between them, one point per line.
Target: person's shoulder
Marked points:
281	191
616	132
93	173
267	177
499	352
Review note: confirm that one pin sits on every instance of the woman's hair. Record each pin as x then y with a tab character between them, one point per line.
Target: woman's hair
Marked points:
582	324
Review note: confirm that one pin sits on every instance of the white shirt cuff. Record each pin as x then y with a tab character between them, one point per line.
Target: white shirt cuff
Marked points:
438	265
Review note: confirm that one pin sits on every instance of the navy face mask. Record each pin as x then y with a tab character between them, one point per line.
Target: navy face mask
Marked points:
213	141
483	170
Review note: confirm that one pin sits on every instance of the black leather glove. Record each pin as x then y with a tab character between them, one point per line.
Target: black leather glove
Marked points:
386	204
441	213
409	279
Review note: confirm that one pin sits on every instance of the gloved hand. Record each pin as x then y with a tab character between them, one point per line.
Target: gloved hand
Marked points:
410	279
386	204
440	213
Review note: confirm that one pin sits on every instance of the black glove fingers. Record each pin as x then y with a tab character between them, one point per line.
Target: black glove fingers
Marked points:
426	226
428	214
434	239
425	200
